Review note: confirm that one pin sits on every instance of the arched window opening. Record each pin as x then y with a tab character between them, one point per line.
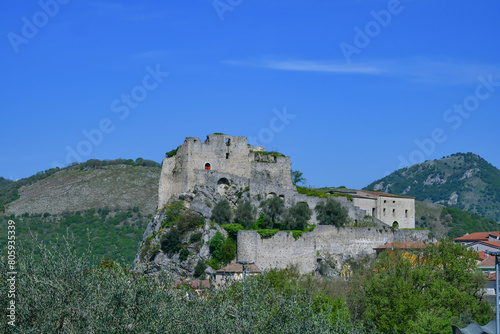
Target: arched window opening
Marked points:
406	213
207	166
222	185
395	224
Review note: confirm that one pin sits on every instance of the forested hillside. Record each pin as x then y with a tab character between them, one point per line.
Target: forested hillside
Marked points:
463	181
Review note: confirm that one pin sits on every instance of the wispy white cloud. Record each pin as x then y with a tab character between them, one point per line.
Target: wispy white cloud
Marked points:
421	70
309	66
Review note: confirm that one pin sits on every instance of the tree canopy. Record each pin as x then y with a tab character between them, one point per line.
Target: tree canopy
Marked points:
425	292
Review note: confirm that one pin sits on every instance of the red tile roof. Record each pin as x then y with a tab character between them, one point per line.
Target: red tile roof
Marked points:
491	277
488	262
492	243
477	236
379	193
482	255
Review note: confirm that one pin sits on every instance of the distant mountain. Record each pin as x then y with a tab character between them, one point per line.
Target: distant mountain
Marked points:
106	204
90	185
463	180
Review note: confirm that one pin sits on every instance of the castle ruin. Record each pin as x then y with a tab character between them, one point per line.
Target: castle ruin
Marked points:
226	167
223	161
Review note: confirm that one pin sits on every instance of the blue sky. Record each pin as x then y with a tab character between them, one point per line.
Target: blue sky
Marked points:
351	90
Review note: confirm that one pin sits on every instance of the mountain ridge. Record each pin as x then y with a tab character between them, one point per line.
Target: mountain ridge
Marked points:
463	181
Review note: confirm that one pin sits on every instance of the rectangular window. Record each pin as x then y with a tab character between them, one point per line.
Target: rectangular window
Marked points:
406	213
227	155
394	212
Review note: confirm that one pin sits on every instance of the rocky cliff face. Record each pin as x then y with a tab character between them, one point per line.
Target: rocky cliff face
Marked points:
151	258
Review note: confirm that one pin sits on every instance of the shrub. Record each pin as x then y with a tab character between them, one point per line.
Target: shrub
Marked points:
199	269
170	242
232	230
228	251
195	237
273	209
267	233
245	214
331	212
297	216
216	244
222	213
173	212
223	250
171	153
189	221
183	254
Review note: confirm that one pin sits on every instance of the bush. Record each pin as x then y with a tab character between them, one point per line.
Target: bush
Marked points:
61	292
297	217
331	212
174	211
245	214
222	213
195	237
232	230
216	244
273	208
170	242
223	250
267	233
183	254
199	269
189	221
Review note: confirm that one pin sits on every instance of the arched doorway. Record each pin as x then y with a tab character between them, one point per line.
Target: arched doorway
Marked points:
207	166
222	185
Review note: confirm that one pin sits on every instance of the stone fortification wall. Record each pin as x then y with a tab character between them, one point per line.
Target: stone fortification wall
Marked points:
283	250
196	159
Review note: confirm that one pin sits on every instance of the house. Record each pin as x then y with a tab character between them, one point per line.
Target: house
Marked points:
393	210
478	236
484	246
234	272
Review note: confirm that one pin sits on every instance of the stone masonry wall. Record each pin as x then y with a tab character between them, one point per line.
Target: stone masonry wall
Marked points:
283	250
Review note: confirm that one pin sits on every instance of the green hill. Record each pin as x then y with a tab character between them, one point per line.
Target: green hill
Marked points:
444	221
462	181
106	204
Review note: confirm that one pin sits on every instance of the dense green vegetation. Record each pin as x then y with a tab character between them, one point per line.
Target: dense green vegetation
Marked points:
426	293
444	221
113	234
331	212
62	291
475	182
323	192
222	213
172	152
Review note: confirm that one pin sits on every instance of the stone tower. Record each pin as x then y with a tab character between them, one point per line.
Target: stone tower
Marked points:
223	160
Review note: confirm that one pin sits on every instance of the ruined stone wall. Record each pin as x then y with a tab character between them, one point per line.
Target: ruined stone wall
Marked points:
283	250
225	154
